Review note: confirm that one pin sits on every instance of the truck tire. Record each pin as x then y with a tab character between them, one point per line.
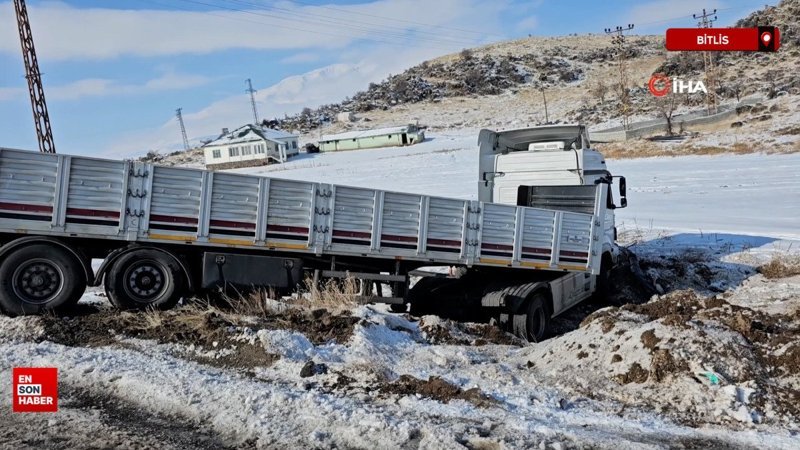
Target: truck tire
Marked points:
532	326
603	282
39	277
398	308
143	279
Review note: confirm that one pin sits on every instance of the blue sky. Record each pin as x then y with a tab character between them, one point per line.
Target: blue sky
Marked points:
114	71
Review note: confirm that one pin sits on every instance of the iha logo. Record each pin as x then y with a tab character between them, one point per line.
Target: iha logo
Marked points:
661	85
35	389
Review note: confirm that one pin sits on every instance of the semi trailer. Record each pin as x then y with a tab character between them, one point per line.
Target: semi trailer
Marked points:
539	239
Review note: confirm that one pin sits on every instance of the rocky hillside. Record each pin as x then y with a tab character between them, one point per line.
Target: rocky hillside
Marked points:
507	84
744	73
483	72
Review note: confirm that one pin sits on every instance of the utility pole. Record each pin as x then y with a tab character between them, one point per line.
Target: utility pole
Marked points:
618	39
40	116
705	21
183	128
252	100
546	116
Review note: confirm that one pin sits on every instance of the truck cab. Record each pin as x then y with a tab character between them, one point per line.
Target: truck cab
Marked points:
513	162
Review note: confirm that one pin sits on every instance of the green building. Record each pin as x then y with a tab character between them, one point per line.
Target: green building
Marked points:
382	137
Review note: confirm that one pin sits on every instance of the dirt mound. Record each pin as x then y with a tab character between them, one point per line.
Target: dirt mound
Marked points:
440	331
629	283
207	333
438	389
689	269
710	349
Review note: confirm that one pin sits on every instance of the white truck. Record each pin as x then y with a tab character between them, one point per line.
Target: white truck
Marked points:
164	233
550	167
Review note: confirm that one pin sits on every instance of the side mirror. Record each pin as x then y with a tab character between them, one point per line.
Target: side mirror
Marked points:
623	193
490	176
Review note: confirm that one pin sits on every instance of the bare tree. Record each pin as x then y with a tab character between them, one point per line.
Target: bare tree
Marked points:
736	88
599	90
665	108
771	77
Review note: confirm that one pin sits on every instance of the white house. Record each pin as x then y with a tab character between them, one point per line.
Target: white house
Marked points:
250	145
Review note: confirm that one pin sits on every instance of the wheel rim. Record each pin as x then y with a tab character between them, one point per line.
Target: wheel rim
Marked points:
38	281
144	281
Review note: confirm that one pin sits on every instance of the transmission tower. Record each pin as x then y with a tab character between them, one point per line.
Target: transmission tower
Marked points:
618	39
252	93
183	128
705	21
40	116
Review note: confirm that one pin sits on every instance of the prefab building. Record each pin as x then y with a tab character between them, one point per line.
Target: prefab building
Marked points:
383	137
250	145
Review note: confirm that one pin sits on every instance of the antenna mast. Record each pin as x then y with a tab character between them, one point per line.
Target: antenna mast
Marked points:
40	116
252	93
183	128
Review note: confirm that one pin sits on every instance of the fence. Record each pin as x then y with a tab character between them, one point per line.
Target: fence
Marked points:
648	127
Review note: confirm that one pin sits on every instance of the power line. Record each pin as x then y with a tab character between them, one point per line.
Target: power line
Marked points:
618	39
252	100
689	16
274	25
315	31
348	22
183	128
396	20
705	21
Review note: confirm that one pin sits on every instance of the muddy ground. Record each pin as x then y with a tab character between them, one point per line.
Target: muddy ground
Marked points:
674	322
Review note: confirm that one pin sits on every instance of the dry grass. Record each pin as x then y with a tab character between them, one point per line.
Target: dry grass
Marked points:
781	266
643	148
150	319
333	294
255	303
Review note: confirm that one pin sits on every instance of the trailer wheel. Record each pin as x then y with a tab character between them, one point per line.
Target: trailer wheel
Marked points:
532	325
39	277
398	308
145	278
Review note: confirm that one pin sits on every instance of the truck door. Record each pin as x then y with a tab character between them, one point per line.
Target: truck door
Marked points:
534	168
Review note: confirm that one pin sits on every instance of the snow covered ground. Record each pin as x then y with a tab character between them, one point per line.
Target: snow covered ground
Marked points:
700	223
754	194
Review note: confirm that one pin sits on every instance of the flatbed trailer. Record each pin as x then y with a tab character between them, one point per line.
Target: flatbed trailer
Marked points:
164	232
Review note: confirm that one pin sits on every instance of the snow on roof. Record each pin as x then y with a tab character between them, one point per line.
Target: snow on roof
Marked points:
269	133
250	133
364	133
